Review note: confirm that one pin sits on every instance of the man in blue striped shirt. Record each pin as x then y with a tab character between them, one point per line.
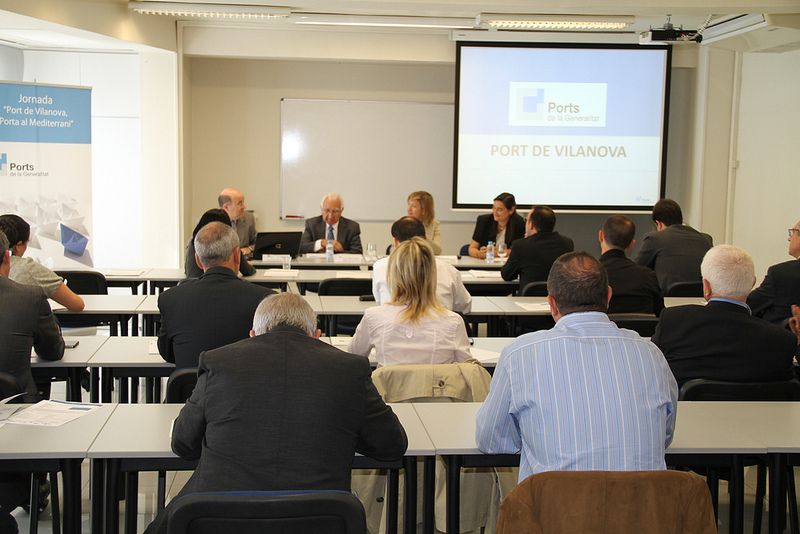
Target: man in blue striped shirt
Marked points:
584	395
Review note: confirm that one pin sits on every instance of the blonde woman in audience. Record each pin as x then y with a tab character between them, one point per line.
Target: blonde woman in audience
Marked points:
420	205
413	328
28	271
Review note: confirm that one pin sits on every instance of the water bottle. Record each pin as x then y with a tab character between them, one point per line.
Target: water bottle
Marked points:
490	252
329	251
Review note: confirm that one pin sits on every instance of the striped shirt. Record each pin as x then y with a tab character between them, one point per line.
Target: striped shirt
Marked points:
582	396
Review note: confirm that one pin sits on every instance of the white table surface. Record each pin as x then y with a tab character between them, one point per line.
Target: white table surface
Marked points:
149	305
344	305
109	304
143	431
124	351
777	424
509	305
77	357
70	440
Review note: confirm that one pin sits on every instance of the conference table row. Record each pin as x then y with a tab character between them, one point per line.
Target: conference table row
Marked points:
131	438
488	309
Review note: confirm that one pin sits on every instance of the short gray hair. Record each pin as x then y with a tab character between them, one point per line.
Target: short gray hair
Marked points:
729	270
214	244
284	309
3	243
332	195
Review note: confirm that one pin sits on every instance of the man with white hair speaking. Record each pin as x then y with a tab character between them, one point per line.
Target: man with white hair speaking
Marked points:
331	226
722	340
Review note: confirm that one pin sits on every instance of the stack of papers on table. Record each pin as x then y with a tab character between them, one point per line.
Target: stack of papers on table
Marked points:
480	273
281	273
52	413
533	306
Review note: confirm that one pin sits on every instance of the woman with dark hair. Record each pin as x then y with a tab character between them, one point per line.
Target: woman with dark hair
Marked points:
191	268
503	224
28	271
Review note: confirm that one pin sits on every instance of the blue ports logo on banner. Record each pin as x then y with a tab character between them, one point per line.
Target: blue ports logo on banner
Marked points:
3	164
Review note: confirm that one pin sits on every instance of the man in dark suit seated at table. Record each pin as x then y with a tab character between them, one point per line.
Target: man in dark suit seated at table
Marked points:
531	257
722	340
345	234
634	288
773	299
213	310
302	410
674	251
26	322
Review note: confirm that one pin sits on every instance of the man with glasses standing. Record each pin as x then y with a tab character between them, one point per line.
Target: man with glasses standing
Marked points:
331	226
773	299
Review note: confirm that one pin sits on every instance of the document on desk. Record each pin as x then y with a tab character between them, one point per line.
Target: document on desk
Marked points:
354	274
52	413
533	306
479	273
5	409
281	273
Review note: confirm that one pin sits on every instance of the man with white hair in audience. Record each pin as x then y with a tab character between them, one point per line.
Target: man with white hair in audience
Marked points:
281	411
722	340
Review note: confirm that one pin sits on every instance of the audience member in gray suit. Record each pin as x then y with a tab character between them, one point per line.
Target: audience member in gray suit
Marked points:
346	233
281	411
232	201
674	251
26	322
773	299
210	311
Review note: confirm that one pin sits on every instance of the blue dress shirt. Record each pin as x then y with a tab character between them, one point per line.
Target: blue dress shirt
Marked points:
584	395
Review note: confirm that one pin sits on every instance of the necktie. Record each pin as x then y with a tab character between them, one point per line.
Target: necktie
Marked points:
330	233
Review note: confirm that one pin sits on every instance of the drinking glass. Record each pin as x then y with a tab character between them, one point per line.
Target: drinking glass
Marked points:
372	253
502	249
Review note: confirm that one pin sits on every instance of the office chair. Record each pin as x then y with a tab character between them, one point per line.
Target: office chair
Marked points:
685	289
643	324
534	289
700	389
601	502
464	252
180	385
10	386
88	283
331	512
347	287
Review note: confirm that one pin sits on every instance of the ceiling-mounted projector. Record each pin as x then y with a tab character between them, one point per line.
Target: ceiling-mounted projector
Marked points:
670	34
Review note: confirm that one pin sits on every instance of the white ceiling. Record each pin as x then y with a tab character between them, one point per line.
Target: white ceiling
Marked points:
26	32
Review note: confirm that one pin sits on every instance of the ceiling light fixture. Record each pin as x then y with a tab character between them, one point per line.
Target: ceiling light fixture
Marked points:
321	19
210	11
554	22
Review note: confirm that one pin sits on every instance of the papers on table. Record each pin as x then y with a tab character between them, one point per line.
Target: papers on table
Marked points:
480	273
483	355
340	342
533	306
152	347
124	272
7	409
281	273
52	413
354	274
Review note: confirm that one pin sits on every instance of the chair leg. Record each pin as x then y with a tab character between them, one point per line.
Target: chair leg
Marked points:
54	505
34	504
761	490
712	479
792	494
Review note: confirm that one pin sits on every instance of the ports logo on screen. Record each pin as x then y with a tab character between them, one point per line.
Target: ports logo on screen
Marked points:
581	105
3	164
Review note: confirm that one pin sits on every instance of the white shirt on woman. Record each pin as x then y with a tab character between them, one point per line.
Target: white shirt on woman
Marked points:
434	339
449	288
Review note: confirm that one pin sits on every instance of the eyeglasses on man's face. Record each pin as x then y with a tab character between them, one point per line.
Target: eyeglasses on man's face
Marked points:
335	212
793	230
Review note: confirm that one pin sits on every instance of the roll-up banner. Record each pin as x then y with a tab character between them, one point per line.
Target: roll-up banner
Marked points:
46	168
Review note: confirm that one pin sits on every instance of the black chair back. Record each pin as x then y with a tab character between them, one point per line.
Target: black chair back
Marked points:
464	251
331	512
180	385
643	324
85	282
685	289
534	289
346	286
10	386
700	389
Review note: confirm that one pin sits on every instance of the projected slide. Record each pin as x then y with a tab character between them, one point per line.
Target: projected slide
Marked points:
563	126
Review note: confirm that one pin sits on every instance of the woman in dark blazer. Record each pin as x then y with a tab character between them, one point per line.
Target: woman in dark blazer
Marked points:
503	222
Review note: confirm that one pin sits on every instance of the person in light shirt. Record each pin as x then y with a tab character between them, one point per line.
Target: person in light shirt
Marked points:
420	206
413	328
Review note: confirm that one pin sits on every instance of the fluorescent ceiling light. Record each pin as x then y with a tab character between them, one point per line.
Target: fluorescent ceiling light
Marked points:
381	21
234	12
554	22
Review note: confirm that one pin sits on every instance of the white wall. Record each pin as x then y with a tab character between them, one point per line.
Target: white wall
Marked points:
767	181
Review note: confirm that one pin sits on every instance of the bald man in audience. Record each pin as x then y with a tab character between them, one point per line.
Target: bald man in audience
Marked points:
331	226
232	201
213	310
773	299
634	287
722	340
674	251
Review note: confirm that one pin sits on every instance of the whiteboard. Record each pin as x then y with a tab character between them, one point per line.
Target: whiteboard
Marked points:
373	153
